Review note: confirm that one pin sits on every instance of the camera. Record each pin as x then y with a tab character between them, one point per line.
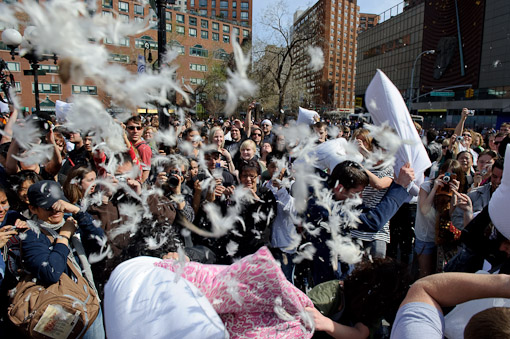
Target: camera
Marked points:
173	179
121	178
471	112
484	172
447	177
460	138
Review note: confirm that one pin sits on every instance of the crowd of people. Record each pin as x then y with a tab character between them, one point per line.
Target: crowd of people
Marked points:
224	189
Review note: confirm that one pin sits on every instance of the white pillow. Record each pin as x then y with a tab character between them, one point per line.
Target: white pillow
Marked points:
144	301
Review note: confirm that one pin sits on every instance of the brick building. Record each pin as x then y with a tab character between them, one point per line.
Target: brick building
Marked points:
332	88
200	40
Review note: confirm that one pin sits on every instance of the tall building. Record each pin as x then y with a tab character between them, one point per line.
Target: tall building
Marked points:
331	88
200	41
239	11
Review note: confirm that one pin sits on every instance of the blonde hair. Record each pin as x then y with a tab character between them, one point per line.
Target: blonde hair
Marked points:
248	144
212	132
365	133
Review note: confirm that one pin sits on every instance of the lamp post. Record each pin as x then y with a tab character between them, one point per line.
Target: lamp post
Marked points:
410	98
12	38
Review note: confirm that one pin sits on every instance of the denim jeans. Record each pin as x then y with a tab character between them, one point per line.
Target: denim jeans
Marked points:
96	331
286	263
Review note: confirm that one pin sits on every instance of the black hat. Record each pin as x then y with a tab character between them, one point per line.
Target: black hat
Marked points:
45	193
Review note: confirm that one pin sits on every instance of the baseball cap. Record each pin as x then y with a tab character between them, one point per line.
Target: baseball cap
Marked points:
45	193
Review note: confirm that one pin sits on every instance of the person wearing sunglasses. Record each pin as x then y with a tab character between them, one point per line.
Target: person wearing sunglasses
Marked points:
134	132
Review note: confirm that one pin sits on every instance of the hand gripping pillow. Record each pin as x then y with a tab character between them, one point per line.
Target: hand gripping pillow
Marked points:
145	301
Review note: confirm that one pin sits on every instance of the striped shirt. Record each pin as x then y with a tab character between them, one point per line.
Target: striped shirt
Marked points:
371	197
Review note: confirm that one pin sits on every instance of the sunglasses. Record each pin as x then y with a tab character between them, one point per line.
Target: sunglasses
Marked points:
444	147
466	135
132	128
257	134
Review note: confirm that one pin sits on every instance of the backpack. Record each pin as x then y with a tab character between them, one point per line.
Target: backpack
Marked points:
65	309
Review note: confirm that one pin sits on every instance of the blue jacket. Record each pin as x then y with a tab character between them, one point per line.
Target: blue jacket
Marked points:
47	261
372	220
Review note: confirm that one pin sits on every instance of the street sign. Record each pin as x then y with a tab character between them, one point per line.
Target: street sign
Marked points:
31	72
442	94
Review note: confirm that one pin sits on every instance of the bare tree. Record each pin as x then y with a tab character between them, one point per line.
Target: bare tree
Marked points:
275	52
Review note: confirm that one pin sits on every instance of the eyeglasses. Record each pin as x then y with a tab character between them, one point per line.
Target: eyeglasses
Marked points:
246	176
257	134
132	128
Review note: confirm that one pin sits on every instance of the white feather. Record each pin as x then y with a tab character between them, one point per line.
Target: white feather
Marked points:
316	58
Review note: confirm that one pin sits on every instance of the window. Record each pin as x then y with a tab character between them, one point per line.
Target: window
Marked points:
196	81
139	9
213	3
17	86
215	37
168	16
13	66
226	29
138	19
234	4
204	34
245	5
226	38
236	30
245	33
91	90
179	18
223	4
202	3
213	13
168	27
220	54
204	23
140	42
108	3
192	21
48	88
198	67
49	68
107	14
175	45
180	30
119	58
123	6
199	51
234	15
244	15
202	12
216	26
124	17
223	14
193	32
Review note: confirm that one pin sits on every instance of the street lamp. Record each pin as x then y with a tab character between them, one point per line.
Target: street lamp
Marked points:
12	38
147	47
410	98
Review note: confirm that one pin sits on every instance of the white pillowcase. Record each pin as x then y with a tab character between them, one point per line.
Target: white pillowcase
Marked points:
144	301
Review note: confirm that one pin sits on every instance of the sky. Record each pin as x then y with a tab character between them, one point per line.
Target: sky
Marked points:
366	6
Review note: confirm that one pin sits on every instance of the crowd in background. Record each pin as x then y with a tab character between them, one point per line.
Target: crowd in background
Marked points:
100	209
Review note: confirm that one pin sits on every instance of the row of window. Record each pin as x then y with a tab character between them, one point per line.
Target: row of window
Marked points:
223	4
57	89
15	67
124	7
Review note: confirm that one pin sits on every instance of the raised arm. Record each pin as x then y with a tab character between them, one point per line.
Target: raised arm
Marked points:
247	120
460	126
7	136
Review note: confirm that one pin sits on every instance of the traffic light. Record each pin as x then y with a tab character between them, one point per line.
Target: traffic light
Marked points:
470	93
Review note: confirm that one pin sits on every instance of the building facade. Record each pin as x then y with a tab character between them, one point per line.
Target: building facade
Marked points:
335	23
199	40
470	40
238	11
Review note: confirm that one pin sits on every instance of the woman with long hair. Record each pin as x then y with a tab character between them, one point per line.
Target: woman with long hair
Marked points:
427	215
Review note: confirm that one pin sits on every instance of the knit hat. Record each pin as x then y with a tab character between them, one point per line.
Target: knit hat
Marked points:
267	122
498	205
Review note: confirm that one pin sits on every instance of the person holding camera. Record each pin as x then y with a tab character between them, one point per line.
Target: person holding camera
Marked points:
464	137
427	214
171	181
